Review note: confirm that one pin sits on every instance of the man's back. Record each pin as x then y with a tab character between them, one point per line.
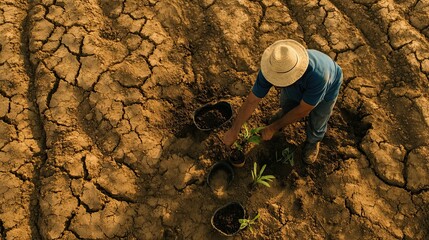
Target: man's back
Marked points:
321	80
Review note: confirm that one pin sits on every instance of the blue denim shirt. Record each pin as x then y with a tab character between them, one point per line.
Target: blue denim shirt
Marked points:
321	80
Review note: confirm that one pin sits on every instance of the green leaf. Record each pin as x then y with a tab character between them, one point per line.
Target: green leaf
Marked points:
256	217
255	169
243	226
262	170
256	130
270	176
242	220
255	139
253	175
267	177
264	183
238	146
246	131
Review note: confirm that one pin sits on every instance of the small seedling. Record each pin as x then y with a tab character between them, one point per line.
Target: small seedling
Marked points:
259	178
248	136
248	222
287	157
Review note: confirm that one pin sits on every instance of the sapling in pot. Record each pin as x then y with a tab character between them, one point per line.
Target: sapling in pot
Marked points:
237	158
246	136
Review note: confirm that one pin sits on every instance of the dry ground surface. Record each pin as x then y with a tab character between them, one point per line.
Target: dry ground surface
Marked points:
97	141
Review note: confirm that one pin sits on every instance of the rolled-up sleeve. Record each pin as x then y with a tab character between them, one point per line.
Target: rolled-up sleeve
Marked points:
261	86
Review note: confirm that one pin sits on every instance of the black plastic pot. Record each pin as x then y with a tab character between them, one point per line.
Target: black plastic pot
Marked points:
212	116
225	219
221	166
237	158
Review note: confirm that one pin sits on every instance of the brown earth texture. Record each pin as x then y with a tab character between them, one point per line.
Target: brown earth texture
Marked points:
97	139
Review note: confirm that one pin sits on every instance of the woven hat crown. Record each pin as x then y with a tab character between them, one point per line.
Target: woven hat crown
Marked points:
283	59
284	62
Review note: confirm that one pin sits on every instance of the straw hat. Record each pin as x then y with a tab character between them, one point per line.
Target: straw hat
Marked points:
284	62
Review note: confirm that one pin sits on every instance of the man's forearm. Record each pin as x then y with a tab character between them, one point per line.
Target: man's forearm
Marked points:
292	116
245	111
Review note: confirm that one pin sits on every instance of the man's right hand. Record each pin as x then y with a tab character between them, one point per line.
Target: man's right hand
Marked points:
230	137
243	114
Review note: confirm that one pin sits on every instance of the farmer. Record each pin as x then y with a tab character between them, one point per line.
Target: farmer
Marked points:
309	81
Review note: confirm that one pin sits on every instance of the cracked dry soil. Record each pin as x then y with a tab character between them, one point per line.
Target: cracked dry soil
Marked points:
97	142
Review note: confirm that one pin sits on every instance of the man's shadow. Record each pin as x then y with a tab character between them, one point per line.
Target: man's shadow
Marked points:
281	157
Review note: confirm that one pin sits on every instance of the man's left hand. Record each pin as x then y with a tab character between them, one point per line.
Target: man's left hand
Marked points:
267	133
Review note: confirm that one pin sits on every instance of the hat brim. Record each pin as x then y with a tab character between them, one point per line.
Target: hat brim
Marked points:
284	79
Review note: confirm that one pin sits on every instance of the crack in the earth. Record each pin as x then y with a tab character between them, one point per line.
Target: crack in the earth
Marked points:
11	122
325	17
192	181
383	179
264	11
352	212
53	90
279	217
121	161
19	176
4	94
2	230
367	6
361	20
81	203
353	49
405	169
114	196
295	17
372	167
68	223
85	169
30	70
111	65
423	190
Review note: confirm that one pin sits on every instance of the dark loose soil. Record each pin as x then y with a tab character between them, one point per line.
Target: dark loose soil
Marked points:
226	219
210	118
237	157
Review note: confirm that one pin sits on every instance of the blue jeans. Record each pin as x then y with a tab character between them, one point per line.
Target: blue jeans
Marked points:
318	119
